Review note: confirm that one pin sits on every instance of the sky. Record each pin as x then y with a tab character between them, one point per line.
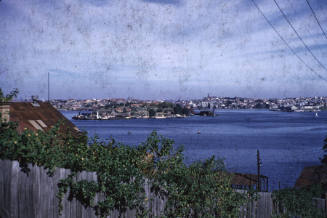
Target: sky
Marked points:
161	49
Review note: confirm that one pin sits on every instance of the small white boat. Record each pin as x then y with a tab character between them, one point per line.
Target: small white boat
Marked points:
316	114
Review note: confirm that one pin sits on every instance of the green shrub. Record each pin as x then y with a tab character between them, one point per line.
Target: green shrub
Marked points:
293	202
201	189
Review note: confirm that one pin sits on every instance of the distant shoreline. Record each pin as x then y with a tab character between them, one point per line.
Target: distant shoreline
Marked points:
132	118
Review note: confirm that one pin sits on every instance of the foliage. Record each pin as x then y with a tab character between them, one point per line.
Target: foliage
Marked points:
201	189
178	109
8	97
152	112
165	104
292	202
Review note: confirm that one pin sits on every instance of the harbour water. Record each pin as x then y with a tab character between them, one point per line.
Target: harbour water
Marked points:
287	141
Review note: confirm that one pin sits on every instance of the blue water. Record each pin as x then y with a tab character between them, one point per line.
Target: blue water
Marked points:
287	141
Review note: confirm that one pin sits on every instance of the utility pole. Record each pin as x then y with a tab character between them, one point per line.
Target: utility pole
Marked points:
48	87
258	168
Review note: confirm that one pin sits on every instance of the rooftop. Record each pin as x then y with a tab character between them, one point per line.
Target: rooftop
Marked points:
36	115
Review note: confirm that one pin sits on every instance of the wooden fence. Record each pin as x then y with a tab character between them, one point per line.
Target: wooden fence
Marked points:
34	196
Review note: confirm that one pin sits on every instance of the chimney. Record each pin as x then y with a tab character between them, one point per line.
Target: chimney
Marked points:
35	102
4	113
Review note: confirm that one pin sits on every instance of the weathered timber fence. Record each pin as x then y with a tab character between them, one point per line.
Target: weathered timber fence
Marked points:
34	196
321	205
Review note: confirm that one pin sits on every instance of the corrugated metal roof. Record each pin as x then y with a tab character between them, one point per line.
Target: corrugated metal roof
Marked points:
244	179
312	175
247	181
43	116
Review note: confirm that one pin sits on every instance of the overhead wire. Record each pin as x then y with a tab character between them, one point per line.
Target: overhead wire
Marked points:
315	16
286	43
298	35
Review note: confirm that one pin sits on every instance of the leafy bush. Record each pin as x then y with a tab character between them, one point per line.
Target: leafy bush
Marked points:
292	202
8	97
201	189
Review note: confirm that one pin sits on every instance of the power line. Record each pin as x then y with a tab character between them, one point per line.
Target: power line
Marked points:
315	16
298	35
286	43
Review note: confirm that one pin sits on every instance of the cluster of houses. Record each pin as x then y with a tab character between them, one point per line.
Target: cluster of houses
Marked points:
299	104
109	115
140	108
125	114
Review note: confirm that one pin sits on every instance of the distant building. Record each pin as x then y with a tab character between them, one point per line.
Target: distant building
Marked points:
34	116
249	181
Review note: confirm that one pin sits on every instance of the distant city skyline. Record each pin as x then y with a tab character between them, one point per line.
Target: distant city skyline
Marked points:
162	49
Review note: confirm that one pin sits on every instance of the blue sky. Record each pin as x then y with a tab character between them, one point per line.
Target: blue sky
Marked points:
159	49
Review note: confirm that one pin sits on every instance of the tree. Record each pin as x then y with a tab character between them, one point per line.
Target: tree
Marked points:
202	189
186	111
152	112
8	97
178	109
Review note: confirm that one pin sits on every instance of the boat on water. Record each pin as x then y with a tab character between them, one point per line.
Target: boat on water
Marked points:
316	114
